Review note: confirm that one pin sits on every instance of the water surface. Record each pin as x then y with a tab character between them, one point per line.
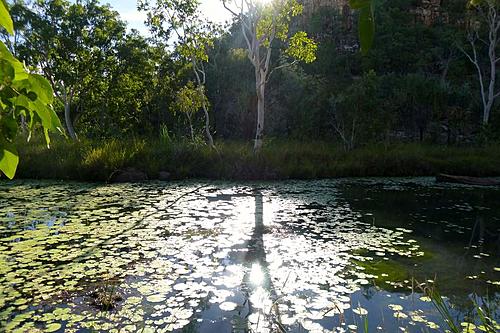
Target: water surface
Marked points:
295	256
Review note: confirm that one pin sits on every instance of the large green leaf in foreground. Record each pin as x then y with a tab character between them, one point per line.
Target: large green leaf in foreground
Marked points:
21	94
8	159
366	22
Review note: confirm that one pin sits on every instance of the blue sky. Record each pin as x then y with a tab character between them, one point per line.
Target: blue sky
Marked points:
213	9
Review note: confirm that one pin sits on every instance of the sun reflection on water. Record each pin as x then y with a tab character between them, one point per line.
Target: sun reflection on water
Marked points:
256	275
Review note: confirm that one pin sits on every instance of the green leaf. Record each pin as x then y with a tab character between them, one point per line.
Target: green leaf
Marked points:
8	159
23	101
5	19
53	327
358	4
46	115
7	72
302	47
8	127
366	28
38	87
18	66
42	88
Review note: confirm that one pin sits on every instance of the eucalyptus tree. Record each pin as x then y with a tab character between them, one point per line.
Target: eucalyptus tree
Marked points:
483	38
193	35
71	44
22	94
263	25
189	101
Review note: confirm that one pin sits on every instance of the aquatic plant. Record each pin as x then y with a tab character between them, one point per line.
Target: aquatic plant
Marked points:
105	296
482	312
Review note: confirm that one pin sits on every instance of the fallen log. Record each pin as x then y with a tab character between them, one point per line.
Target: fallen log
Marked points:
444	178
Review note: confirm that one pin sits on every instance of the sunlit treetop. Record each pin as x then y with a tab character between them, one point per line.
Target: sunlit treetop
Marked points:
189	100
192	34
275	18
271	20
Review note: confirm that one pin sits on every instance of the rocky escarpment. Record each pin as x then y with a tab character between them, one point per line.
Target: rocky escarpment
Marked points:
430	11
427	11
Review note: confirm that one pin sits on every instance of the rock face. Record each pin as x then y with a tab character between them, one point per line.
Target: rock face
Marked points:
128	175
347	42
312	6
429	11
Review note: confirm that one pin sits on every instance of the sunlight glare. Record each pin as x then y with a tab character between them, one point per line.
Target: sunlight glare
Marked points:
256	274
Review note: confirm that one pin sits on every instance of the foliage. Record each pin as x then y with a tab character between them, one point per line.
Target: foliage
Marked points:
301	47
484	314
413	85
22	96
297	159
273	21
189	101
194	37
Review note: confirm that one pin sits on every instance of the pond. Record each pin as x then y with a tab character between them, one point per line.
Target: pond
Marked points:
351	255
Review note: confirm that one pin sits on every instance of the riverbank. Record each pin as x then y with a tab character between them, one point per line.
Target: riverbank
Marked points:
99	161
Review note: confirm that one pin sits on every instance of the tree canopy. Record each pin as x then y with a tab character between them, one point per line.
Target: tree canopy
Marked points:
401	71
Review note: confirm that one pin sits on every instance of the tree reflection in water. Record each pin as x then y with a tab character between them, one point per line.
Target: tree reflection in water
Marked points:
258	286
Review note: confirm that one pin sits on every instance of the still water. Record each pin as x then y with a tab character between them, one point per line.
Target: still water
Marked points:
350	255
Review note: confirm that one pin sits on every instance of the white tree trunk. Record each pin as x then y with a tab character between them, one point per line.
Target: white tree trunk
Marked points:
208	135
191	129
486	77
201	83
261	94
69	123
493	60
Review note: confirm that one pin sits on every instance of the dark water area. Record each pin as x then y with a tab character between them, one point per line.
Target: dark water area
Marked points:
295	256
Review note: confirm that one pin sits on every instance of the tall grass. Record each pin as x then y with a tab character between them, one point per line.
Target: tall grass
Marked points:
97	160
482	314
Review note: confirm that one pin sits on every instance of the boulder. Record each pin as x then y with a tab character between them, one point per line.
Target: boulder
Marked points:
164	175
128	175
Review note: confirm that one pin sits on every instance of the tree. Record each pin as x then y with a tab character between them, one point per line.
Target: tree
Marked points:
21	95
262	26
122	102
194	36
358	114
483	28
189	102
71	44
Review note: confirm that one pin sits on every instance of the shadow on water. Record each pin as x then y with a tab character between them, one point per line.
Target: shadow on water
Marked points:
258	285
457	227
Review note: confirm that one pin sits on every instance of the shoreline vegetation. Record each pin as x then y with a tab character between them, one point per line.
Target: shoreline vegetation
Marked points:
279	160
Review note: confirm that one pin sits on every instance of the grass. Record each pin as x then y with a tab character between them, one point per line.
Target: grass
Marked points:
96	161
482	314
